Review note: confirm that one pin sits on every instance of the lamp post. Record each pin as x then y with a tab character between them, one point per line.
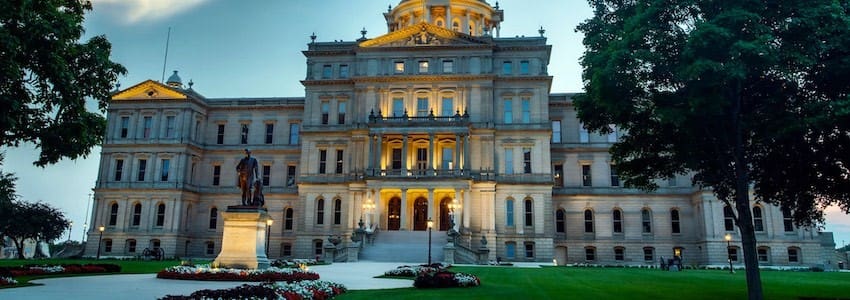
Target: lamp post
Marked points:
70	226
729	252
269	223
100	240
430	225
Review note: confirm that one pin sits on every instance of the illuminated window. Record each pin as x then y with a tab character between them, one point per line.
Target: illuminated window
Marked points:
423	66
399	67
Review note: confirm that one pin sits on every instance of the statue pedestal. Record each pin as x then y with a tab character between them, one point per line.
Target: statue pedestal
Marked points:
243	245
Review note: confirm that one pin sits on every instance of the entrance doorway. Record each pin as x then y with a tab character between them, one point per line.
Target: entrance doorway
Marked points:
420	214
445	221
394	214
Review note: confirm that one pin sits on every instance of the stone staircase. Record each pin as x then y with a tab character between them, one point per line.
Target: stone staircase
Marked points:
404	246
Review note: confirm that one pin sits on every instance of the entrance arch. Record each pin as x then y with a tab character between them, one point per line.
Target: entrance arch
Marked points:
394	214
445	218
420	214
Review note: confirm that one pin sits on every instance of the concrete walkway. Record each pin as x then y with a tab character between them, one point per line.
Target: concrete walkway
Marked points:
355	276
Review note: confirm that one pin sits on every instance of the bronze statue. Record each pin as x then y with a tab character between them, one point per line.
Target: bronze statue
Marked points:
249	180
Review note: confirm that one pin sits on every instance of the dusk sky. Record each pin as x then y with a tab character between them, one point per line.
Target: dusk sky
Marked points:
253	49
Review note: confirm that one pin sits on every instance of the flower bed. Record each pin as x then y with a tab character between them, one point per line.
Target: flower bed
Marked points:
412	271
30	270
445	279
294	263
317	290
206	273
6	281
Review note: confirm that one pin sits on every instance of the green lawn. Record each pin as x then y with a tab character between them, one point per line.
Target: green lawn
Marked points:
127	266
614	283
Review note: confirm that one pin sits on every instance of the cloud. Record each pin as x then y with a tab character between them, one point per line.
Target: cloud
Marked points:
133	11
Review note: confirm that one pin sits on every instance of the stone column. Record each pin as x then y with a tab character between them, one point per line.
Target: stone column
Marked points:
467	200
404	156
431	152
456	215
379	144
457	153
466	162
465	23
371	155
431	205
448	17
404	207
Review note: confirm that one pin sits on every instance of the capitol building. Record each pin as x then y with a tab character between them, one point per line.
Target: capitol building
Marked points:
440	119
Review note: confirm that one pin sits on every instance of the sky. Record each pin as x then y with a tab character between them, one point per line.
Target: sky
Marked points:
253	49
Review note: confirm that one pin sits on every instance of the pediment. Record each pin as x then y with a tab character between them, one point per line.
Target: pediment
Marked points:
148	90
422	34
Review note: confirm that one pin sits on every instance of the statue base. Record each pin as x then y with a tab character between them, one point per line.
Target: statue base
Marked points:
243	245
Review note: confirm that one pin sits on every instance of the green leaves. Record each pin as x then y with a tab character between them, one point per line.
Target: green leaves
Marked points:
48	75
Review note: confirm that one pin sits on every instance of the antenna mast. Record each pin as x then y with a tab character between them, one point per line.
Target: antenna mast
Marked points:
165	60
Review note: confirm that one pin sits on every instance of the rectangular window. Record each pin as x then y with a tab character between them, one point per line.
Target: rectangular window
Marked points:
556	131
210	248
125	126
244	135
323	161
526	110
339	155
586	179
559	175
509	111
448	66
131	246
343	71
675	222
422	107
286	250
119	169
216	175
526	160
267	175
107	245
340	112
326	110
423	66
529	250
220	135
619	254
507	68
147	127
529	213
398	107
169	126
448	107
617	216
762	254
793	256
615	177
509	161
269	133
590	254
294	133
399	67
733	253
327	70
143	165
290	176
509	213
648	254
166	165
523	67
510	250
583	137
447	158
787	221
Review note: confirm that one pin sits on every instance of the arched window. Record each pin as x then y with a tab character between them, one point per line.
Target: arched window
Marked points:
588	221
337	212
509	212
287	219
559	221
113	214
455	26
619	253
758	220
617	216
213	218
529	215
728	219
137	214
674	221
160	214
646	220
320	211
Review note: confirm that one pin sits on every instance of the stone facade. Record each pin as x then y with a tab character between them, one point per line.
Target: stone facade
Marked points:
433	120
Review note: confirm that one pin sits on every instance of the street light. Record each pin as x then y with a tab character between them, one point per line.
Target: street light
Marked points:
430	225
100	240
70	226
269	223
729	252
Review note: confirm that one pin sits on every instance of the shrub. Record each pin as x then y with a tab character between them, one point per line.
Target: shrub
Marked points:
445	279
318	290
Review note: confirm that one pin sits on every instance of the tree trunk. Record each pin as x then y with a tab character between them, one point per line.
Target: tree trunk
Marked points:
19	245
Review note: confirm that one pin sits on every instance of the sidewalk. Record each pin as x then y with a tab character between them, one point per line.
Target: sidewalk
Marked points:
355	276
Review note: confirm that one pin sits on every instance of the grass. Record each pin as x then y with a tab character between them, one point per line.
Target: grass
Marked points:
127	267
615	283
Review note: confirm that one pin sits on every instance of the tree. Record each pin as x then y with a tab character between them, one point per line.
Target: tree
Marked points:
750	96
47	75
7	196
33	221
